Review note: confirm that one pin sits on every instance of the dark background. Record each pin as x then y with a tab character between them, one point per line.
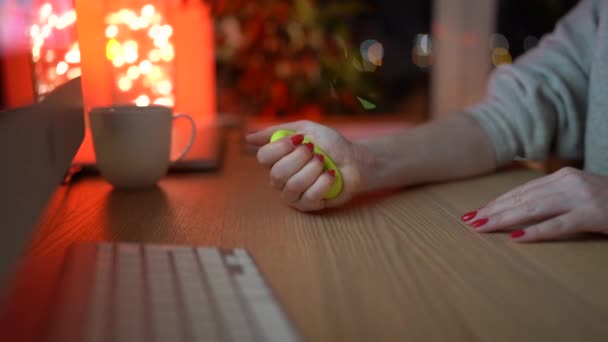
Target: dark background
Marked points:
396	23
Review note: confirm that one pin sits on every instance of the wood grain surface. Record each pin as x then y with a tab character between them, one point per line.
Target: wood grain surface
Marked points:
394	266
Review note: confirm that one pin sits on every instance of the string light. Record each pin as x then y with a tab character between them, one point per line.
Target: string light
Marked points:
133	72
130	59
125	84
111	31
140	66
142	101
163	101
52	70
74	72
147	11
145	67
62	68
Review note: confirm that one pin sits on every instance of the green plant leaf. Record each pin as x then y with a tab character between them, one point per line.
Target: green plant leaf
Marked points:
367	105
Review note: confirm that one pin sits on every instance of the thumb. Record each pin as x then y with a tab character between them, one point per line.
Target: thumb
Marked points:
262	137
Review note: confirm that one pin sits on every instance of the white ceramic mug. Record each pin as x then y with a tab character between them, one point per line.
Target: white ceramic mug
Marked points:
133	144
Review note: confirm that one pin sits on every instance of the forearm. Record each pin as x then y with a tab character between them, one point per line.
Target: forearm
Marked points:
443	150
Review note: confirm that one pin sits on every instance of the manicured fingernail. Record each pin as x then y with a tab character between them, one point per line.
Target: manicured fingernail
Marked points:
517	234
297	139
332	172
320	157
468	216
480	223
310	146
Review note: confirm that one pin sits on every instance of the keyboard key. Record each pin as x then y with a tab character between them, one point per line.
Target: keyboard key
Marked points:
231	311
175	293
129	315
162	295
194	299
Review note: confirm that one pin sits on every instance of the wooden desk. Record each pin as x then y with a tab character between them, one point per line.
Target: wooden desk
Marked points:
390	267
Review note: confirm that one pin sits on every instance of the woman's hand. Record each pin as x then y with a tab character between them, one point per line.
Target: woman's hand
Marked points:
560	205
298	173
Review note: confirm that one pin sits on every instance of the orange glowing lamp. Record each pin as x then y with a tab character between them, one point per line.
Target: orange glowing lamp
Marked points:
127	51
147	52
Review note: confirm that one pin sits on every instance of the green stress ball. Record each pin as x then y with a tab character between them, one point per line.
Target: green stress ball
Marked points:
336	188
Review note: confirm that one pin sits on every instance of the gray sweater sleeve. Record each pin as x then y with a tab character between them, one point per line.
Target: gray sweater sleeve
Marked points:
537	105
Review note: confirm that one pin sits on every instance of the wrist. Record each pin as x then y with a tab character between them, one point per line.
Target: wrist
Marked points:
368	163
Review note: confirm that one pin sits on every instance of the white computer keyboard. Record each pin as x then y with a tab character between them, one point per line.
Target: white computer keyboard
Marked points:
135	292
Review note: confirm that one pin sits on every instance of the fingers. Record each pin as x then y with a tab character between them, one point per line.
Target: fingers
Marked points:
302	180
536	200
262	137
290	164
555	207
523	192
532	208
558	227
270	154
313	198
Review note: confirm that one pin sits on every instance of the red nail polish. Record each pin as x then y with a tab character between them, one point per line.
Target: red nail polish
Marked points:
479	223
310	146
468	216
297	139
332	173
517	234
320	157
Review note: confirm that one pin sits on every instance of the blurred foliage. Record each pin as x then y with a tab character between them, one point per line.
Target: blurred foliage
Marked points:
290	57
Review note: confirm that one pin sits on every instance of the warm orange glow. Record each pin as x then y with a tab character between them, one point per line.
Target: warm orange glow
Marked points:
164	102
73	56
62	68
164	87
118	61
127	52
52	37
147	11
133	72
113	49
145	67
125	84
167	60
142	101
111	31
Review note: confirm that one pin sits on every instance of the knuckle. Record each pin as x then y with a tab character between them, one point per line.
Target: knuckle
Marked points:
293	186
518	197
529	207
311	197
552	228
276	178
261	157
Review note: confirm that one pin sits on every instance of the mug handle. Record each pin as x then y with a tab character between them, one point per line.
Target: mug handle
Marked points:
192	135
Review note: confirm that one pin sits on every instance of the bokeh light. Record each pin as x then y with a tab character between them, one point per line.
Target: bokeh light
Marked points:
142	101
422	52
140	49
54	50
372	51
125	84
501	56
498	41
